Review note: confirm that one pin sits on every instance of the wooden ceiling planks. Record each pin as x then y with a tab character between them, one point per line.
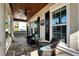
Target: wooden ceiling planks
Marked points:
31	8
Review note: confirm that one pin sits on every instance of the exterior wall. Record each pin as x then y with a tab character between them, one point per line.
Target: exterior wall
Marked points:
72	22
41	14
2	30
5	13
74	26
9	17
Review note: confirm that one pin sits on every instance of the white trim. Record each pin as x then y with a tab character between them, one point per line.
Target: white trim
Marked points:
57	6
59	24
68	24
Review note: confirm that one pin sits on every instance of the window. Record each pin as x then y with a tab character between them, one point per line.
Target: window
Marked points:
59	26
59	16
19	26
56	18
63	16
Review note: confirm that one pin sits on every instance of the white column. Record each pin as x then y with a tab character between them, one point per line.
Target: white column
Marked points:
2	30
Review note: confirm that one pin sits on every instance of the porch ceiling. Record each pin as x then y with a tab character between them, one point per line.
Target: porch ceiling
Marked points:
29	8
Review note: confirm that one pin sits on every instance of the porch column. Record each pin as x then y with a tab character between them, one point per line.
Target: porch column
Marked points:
2	30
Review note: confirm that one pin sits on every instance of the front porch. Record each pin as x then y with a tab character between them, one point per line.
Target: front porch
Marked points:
23	49
42	22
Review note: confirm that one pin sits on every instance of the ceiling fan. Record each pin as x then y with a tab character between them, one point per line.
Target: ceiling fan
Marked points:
25	12
22	14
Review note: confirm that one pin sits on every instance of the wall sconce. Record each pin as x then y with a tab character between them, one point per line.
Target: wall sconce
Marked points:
42	22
